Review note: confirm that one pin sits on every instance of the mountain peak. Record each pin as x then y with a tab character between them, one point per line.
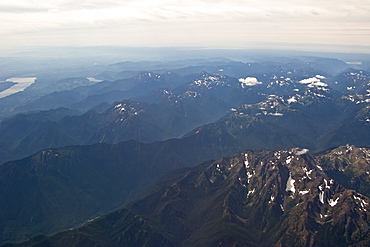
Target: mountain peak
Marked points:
209	81
147	75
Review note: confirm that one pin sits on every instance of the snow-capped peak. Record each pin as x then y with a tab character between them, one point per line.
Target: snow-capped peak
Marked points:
209	81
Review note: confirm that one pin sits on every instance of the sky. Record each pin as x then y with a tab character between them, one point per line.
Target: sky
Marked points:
231	24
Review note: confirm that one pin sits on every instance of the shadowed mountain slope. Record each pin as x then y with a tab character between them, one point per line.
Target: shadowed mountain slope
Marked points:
264	198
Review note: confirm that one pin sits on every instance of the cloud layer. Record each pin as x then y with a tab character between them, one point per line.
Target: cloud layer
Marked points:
218	23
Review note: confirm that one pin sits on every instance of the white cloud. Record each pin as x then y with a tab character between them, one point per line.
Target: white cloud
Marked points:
249	81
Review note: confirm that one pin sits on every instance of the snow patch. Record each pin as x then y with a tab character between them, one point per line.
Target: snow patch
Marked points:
246	162
211	81
303	192
308	173
276	114
92	79
271	199
191	94
292	100
251	192
326	184
333	202
290	184
321	197
362	202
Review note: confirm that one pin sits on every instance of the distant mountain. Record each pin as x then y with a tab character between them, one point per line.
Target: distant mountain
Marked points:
264	198
104	91
307	107
315	117
327	65
109	86
351	82
352	130
25	134
170	117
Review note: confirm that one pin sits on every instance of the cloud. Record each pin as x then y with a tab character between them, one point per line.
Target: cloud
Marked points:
202	10
260	21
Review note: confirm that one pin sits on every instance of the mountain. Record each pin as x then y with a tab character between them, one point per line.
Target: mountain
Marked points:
315	116
351	81
58	188
144	163
104	91
25	134
355	103
349	166
327	65
308	118
352	130
233	82
172	116
64	187
245	131
262	198
268	105
127	80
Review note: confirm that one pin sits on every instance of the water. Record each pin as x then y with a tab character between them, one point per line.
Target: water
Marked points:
22	84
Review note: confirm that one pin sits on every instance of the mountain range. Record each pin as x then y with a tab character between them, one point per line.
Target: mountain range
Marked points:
168	112
90	149
261	198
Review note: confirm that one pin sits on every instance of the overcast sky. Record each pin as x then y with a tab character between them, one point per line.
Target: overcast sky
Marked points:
200	23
